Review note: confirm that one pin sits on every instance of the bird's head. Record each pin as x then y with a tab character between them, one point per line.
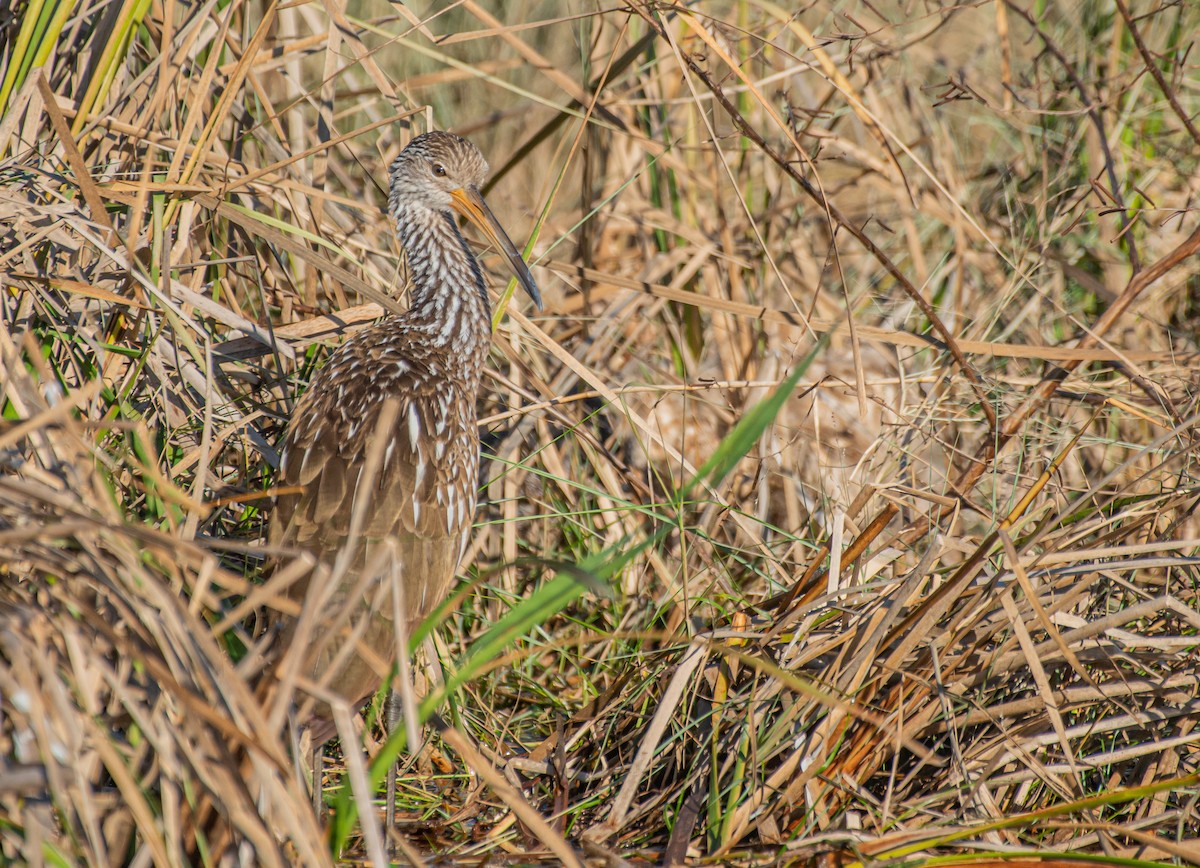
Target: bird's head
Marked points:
431	168
440	171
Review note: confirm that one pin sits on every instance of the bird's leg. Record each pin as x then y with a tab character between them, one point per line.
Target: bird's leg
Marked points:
318	778
392	710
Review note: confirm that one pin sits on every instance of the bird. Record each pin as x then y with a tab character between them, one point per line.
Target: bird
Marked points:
417	374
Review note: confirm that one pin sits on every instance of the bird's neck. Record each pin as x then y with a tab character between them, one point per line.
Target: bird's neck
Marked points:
449	300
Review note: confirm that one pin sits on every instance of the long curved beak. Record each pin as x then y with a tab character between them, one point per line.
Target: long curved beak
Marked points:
469	202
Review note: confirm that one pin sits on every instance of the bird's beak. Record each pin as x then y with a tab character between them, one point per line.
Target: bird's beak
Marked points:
468	201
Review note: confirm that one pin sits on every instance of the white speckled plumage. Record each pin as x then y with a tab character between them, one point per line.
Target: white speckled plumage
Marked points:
429	360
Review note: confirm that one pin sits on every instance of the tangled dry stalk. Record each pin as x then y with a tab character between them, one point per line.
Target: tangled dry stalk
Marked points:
840	507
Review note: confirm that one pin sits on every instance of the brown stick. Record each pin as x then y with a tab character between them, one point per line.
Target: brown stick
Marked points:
1050	382
1152	67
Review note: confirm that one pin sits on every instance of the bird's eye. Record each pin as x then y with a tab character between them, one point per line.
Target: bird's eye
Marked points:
439	170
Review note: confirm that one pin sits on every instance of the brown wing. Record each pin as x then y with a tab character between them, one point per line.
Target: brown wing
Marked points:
425	486
422	498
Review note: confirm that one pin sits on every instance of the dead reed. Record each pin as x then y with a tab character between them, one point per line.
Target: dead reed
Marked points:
839	510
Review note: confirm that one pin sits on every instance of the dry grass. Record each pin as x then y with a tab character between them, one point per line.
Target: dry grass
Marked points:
937	601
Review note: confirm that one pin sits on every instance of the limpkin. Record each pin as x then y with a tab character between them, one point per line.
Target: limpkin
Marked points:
428	362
